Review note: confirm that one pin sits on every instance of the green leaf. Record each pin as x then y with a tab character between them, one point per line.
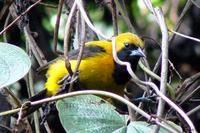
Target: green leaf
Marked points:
14	64
144	127
89	114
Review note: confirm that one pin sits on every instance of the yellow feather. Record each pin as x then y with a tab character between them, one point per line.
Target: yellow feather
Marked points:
55	72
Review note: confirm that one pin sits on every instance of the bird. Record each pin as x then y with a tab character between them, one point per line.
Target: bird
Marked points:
97	70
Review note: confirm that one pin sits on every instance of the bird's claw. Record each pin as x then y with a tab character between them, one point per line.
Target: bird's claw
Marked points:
47	110
68	79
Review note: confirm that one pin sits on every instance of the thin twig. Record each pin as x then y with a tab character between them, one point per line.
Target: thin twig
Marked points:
196	90
55	35
157	65
78	31
10	112
88	22
141	103
174	69
194	2
122	9
187	84
82	44
16	99
5	7
34	48
146	67
16	19
46	125
21	111
164	60
149	6
9	130
185	36
48	5
32	93
114	17
131	112
180	19
197	108
155	76
5	24
36	122
67	37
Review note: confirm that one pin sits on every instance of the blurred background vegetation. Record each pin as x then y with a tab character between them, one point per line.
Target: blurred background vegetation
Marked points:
183	53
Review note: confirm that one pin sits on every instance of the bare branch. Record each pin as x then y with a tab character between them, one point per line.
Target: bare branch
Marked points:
55	35
14	21
185	36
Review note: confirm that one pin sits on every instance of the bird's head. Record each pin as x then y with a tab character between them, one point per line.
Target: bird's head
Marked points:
129	47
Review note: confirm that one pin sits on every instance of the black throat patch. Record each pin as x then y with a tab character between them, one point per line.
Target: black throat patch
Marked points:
120	74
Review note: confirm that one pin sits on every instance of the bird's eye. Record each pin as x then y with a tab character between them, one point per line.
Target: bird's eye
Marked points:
127	45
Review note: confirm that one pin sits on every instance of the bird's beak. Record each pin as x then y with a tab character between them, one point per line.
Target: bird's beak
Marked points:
138	52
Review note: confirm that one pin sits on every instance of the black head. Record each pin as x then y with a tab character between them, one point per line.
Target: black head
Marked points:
129	49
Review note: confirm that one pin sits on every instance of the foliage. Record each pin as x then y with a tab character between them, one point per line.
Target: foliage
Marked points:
14	64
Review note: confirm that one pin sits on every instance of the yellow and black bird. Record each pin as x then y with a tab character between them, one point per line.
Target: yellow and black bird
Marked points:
97	70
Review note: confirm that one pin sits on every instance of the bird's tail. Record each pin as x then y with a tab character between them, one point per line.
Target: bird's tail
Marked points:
30	109
41	95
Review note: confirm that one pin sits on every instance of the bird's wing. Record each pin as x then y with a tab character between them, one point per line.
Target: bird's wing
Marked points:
89	51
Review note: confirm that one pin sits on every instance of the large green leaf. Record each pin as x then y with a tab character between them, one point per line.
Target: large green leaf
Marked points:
14	64
89	114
